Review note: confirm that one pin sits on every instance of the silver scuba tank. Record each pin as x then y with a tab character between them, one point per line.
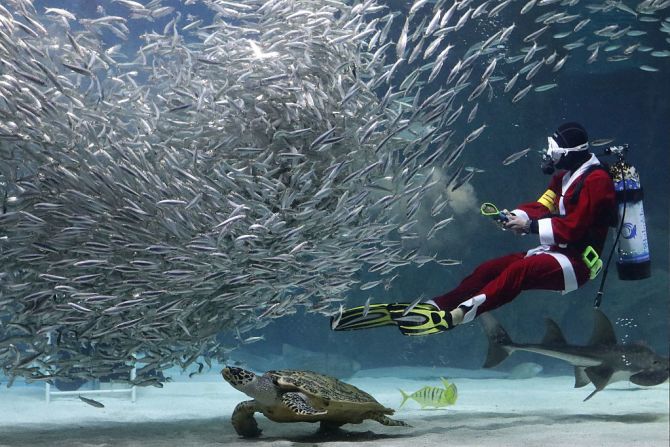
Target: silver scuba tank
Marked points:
634	260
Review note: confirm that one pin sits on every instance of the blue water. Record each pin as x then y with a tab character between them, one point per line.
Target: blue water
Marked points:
612	100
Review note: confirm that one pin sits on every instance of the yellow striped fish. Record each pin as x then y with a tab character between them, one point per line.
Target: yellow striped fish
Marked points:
433	396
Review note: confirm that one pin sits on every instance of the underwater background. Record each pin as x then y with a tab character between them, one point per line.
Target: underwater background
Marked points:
612	100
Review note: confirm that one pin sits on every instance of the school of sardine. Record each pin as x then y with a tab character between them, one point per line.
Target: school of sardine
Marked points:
238	165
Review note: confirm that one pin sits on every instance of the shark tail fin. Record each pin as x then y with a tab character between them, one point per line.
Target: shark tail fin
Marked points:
499	341
405	396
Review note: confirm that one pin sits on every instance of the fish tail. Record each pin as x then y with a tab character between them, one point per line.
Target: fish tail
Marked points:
445	382
450	395
405	396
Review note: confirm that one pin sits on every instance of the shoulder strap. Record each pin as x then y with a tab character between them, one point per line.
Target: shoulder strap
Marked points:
580	182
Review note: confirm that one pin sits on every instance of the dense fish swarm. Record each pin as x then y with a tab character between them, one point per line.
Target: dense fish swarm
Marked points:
241	164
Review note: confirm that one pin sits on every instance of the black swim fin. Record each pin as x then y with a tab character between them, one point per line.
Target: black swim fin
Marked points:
363	317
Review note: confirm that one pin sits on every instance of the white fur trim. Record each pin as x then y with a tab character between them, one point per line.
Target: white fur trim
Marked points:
569	178
546	231
473	303
569	276
520	213
538	250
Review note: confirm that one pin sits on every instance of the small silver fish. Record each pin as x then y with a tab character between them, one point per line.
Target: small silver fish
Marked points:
370	285
472	136
545	87
601	142
521	93
515	156
338	317
91	402
412	305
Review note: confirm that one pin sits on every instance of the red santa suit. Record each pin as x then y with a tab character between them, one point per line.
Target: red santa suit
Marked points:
565	227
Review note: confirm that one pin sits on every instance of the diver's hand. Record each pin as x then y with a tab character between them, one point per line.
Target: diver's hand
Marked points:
502	220
517	224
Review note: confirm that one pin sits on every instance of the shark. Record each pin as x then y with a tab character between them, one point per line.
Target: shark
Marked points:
601	362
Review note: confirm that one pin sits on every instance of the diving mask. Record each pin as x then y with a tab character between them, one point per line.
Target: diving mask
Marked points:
555	152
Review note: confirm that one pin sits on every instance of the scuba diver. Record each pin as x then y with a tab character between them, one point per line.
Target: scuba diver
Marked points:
571	219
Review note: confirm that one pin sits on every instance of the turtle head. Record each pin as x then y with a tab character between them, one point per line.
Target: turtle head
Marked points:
261	388
239	378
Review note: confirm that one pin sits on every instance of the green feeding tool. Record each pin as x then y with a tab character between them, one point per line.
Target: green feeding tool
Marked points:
490	210
592	261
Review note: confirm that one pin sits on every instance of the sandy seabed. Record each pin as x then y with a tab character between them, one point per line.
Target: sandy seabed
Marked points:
542	411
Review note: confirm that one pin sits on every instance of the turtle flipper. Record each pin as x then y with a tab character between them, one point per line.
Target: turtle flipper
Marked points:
362	317
385	420
299	405
243	419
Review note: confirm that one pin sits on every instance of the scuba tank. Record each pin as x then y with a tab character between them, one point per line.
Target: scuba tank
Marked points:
630	241
633	249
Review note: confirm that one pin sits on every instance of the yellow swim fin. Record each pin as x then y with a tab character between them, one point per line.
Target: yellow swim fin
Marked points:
422	319
376	315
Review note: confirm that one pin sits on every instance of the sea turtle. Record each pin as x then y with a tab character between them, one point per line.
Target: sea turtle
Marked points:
301	396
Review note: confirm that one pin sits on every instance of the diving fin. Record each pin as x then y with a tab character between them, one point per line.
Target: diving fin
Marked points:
422	319
363	317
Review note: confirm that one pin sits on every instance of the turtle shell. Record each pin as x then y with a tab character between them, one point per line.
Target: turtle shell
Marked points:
326	388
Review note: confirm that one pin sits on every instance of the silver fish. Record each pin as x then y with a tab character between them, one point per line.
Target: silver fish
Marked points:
91	402
216	176
545	87
521	93
515	156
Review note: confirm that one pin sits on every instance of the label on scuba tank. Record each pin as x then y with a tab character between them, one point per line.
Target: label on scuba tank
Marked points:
631	185
633	244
